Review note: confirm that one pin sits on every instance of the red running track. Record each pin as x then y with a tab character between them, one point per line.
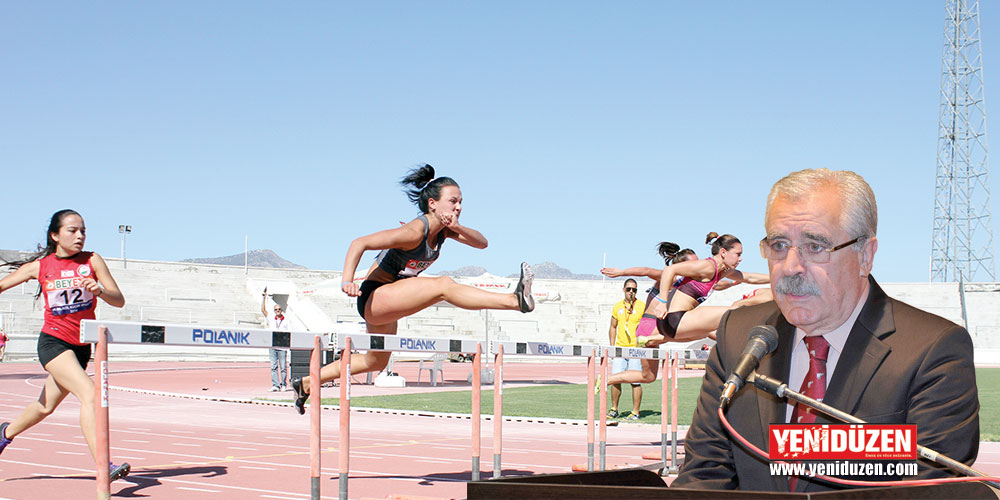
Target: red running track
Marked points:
176	425
179	427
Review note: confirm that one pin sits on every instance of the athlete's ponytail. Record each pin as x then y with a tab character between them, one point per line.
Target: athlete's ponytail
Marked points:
726	241
55	224
682	256
667	250
426	186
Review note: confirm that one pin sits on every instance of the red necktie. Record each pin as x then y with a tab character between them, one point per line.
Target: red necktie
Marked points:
813	386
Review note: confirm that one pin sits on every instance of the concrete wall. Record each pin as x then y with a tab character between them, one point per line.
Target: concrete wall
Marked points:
571	312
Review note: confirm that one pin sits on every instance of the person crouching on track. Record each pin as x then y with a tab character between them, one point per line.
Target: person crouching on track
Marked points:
71	281
393	290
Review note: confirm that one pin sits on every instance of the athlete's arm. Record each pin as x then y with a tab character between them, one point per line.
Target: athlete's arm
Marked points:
613	330
110	291
694	269
751	278
20	275
405	237
462	234
649	272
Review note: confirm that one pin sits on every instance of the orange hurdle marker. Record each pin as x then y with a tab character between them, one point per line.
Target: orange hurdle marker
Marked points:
673	413
344	464
101	416
315	429
664	412
603	428
476	417
498	412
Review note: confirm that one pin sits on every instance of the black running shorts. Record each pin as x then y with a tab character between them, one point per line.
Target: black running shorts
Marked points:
49	347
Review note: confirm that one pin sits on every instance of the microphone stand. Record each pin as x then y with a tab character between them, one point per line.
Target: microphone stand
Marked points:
777	388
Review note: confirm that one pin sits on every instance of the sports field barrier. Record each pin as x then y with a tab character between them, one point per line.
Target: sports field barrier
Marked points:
120	332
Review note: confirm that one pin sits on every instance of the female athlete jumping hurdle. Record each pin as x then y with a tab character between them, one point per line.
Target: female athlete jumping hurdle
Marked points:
392	288
679	318
71	280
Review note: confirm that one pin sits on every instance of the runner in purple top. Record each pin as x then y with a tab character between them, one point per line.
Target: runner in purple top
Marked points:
676	317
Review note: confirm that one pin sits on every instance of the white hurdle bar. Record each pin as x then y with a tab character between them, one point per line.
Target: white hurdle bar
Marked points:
103	333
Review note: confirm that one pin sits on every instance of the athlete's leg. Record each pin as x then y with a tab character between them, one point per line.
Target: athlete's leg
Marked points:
702	321
360	363
636	398
65	376
616	395
36	411
646	376
405	297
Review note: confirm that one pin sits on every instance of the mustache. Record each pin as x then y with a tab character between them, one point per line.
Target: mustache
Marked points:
796	284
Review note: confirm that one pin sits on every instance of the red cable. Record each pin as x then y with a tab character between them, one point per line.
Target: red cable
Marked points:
850	482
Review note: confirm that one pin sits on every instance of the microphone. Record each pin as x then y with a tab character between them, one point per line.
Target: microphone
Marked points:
763	339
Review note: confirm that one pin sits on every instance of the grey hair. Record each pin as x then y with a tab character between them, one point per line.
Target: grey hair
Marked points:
860	215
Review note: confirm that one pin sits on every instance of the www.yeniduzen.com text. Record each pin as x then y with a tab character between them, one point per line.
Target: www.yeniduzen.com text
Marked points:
844	468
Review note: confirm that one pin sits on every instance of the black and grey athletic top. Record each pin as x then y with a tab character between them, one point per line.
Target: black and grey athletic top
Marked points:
409	263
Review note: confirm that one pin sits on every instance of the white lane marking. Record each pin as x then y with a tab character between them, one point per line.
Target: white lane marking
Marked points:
198	489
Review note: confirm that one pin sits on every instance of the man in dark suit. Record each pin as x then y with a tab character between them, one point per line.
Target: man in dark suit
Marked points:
888	362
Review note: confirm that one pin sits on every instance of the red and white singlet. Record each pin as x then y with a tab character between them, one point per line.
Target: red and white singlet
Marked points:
66	300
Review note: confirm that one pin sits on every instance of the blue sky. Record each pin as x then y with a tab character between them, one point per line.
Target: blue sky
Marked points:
575	129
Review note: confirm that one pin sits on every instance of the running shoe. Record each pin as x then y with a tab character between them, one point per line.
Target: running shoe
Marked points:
632	417
120	471
275	388
525	300
300	396
597	386
612	413
4	441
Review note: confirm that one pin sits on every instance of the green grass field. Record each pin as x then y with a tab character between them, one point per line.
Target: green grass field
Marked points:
570	401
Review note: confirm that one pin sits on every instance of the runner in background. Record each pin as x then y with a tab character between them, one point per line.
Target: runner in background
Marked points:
678	317
71	281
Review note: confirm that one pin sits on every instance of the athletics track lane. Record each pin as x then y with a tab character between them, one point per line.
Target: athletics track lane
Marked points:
191	448
181	447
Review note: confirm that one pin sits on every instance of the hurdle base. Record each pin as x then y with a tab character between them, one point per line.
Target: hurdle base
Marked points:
485	377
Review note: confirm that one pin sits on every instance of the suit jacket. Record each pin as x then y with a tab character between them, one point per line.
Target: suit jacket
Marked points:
899	365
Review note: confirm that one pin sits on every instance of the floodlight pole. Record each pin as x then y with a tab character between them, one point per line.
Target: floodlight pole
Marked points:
124	229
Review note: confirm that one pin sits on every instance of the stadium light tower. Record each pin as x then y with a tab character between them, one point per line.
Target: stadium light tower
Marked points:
962	240
124	230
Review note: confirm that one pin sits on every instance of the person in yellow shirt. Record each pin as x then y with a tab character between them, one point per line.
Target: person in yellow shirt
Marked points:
625	316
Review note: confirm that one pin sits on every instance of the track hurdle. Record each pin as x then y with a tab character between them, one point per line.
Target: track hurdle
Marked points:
543	349
103	333
644	353
394	343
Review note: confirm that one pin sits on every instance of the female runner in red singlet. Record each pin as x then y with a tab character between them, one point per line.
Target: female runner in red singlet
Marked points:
71	281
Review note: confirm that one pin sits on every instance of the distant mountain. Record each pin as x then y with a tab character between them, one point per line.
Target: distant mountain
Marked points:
464	271
545	270
255	258
552	271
